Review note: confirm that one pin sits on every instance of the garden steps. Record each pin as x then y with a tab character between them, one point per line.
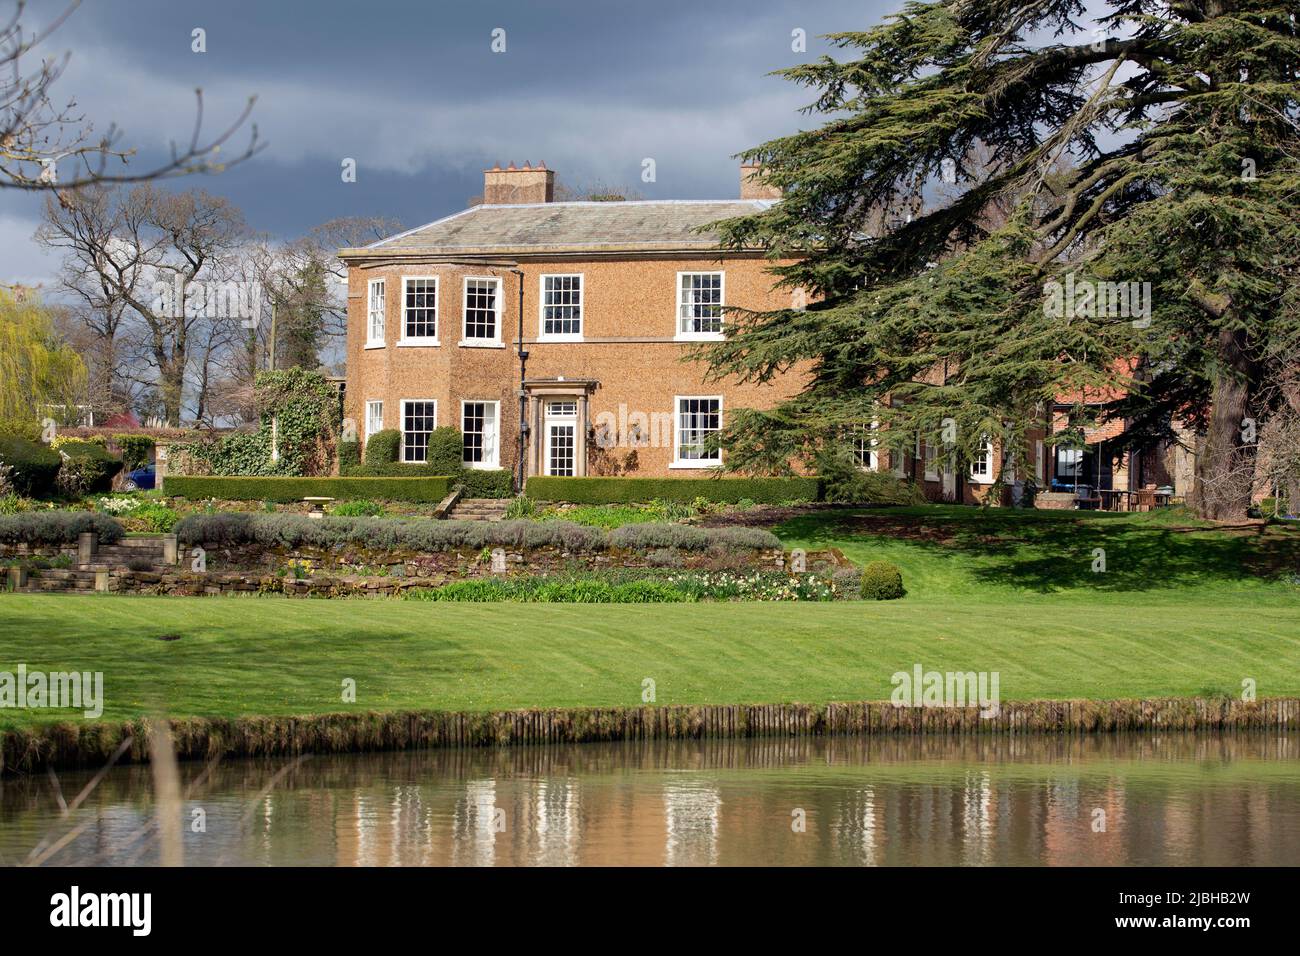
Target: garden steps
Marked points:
126	552
479	509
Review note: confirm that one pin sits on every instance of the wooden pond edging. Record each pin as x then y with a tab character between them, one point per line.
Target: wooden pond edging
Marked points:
71	744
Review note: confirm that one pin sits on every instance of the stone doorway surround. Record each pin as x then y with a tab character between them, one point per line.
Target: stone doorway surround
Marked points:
537	392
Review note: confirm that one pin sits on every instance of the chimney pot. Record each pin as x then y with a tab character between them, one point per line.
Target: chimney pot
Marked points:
518	186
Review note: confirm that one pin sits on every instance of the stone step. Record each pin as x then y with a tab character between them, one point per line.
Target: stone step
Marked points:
141	541
479	509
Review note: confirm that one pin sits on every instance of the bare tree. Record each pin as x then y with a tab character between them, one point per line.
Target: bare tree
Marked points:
147	250
36	134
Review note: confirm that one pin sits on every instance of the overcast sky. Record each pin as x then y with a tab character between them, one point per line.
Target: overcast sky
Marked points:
414	93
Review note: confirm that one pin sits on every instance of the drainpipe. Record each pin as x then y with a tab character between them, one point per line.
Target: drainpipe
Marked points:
523	399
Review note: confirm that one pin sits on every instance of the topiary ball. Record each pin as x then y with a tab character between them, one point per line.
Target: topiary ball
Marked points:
882	581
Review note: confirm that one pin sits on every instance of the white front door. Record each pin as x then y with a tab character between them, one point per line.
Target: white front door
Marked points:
949	481
560	432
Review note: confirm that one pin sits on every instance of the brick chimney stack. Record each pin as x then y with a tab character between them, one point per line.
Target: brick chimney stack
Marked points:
511	186
754	185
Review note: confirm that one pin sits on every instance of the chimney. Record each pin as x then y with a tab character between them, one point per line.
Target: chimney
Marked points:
754	185
511	186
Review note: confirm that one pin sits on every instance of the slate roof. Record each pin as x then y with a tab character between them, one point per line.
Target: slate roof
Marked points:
634	225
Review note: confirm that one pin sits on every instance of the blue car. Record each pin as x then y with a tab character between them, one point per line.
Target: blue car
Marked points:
142	479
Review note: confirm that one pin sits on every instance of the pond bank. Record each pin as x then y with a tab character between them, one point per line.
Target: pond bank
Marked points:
87	744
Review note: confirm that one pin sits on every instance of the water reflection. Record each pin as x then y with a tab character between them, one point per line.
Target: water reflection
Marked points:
1160	800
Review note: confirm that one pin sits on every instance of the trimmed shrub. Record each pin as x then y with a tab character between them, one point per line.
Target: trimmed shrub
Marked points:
349	455
383	447
89	466
57	527
603	491
882	581
485	483
137	450
647	537
415	534
35	467
295	489
446	451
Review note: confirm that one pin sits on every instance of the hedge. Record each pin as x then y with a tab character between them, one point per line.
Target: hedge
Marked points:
475	482
57	527
486	483
295	489
35	467
601	491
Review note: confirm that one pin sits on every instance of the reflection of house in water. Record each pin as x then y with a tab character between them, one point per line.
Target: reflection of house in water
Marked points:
691	811
1170	800
555	820
474	836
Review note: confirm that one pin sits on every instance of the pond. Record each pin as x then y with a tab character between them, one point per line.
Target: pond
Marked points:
1163	800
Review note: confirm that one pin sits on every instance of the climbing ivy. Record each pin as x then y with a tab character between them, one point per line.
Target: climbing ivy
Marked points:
299	418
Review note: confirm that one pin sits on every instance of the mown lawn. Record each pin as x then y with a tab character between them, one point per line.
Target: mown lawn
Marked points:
998	555
284	656
1178	611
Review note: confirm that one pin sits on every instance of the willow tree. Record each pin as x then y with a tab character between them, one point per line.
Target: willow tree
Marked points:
1155	150
38	371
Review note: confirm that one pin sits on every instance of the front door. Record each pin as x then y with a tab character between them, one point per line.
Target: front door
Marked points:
560	432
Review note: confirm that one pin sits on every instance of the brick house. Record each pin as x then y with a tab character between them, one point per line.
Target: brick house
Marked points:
614	295
609	300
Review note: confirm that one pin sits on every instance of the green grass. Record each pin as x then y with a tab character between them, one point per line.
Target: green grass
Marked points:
1181	610
285	656
1001	555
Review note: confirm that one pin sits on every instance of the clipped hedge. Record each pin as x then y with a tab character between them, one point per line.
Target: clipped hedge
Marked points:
605	491
57	527
486	483
475	482
35	467
428	489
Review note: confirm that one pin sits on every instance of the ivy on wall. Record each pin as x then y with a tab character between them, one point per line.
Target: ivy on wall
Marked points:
299	420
